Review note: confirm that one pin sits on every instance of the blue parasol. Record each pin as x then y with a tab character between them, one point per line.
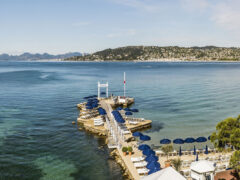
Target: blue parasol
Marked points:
127	109
153	165
189	140
128	113
147	152
145	138
201	139
137	134
134	110
151	158
165	141
178	141
143	147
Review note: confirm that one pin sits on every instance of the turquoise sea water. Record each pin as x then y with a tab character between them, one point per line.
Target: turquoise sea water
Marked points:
38	103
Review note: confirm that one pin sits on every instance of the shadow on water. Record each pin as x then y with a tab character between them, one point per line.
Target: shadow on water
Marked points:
156	127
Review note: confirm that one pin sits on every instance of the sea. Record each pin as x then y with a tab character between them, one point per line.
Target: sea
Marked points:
38	104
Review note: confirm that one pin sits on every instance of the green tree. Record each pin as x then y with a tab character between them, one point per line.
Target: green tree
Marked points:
167	149
177	163
227	133
235	163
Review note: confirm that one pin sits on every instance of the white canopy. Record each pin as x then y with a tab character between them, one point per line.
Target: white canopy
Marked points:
202	166
167	173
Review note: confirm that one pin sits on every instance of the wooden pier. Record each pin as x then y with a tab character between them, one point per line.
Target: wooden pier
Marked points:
116	139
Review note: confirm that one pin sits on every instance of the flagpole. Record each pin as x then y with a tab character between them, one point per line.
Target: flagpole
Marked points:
124	76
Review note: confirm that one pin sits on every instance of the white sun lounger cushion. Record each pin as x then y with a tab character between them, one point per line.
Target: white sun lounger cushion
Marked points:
142	171
140	164
137	159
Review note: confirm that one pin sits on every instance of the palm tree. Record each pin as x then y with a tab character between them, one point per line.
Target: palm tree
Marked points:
177	163
167	149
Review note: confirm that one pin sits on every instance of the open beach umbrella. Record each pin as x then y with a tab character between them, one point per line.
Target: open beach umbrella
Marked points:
189	140
145	138
194	150
119	109
201	139
128	113
197	157
148	152
153	164
151	158
178	141
127	109
209	137
206	150
165	141
180	151
101	111
143	147
89	107
134	110
137	134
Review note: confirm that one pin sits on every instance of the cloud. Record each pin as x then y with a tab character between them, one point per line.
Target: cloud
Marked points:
227	15
122	33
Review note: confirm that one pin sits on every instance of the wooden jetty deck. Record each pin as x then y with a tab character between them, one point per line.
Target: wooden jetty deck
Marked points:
114	139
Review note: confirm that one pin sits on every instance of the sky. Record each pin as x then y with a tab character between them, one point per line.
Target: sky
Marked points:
60	26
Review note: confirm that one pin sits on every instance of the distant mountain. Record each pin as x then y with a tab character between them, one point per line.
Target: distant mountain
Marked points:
45	56
145	53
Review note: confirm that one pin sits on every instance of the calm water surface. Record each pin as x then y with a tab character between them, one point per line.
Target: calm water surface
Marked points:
38	103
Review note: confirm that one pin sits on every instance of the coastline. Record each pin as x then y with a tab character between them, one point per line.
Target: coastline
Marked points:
129	61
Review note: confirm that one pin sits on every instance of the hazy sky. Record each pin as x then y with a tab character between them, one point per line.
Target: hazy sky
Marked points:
59	26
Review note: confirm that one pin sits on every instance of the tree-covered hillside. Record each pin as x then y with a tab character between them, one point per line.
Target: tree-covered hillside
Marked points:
163	53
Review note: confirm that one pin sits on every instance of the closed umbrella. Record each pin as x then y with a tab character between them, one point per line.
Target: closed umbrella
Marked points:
165	141
201	139
189	140
180	151
197	157
194	150
178	141
206	150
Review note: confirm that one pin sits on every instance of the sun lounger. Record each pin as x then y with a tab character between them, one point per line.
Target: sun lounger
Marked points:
142	171
137	159
140	164
133	122
126	132
98	124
